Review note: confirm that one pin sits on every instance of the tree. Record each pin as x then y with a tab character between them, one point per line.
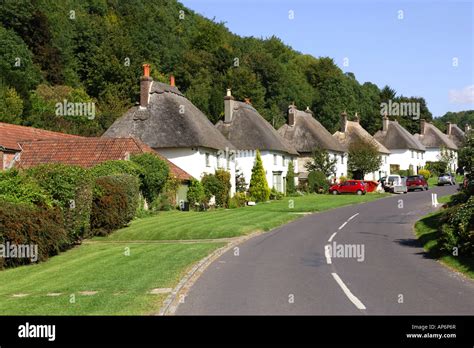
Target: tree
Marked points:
154	174
363	158
196	195
240	184
11	105
290	179
322	162
466	160
259	189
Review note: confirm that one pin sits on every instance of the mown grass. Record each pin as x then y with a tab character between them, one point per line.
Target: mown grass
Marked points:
224	223
122	282
428	233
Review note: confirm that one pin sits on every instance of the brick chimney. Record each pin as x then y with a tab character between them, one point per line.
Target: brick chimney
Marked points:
448	128
343	121
422	126
291	115
385	123
145	84
172	81
228	106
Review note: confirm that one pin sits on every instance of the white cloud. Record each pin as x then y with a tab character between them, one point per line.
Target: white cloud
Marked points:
462	96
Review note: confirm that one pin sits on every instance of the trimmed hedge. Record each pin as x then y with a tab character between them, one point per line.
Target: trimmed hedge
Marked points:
153	176
114	204
27	225
217	185
457	230
71	189
317	182
16	187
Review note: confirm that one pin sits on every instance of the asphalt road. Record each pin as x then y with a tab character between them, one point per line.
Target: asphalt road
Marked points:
286	271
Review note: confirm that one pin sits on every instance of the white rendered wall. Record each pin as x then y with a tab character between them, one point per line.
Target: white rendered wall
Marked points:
406	157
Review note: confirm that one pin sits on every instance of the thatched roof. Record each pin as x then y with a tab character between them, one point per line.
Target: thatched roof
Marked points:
354	132
457	135
169	121
307	134
433	137
248	130
397	137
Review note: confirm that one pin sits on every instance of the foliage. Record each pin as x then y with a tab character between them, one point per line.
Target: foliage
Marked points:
71	189
240	184
24	224
363	158
466	160
16	187
342	179
114	204
154	175
436	168
239	200
457	230
318	182
212	186
170	190
223	195
196	194
425	172
290	179
322	162
275	195
11	105
258	188
460	118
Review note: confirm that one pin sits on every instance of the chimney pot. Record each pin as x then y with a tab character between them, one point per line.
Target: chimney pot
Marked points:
229	93
228	106
247	101
448	128
356	117
145	84
172	81
291	115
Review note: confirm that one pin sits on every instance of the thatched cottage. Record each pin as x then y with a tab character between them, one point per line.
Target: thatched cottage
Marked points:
406	151
437	144
169	123
248	131
306	134
351	132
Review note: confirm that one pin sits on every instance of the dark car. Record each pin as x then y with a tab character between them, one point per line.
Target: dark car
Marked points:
416	182
349	186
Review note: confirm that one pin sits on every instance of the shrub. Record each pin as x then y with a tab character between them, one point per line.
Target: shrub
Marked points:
259	189
212	186
71	189
290	179
436	168
115	202
275	195
239	200
425	172
171	189
223	195
26	224
458	228
342	179
16	187
196	194
317	182
116	167
154	174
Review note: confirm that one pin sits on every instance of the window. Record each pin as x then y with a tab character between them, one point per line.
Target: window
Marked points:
275	160
412	154
422	155
417	155
342	159
284	161
208	161
385	159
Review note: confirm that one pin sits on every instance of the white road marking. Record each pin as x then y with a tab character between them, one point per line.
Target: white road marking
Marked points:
348	293
353	216
342	226
332	236
327	253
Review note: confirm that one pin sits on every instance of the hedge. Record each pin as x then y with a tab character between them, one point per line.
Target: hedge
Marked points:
114	204
317	182
153	176
71	189
116	167
27	225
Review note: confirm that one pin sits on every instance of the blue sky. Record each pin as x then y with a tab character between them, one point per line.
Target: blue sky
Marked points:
414	55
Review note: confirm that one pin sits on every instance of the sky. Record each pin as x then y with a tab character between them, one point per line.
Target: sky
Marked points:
421	48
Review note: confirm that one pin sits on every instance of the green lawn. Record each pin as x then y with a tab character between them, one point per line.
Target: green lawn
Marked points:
427	232
223	223
122	283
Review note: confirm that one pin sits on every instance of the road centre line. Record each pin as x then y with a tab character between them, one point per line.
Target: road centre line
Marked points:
348	293
332	236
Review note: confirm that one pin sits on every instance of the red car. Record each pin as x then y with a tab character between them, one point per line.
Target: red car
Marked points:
349	186
416	182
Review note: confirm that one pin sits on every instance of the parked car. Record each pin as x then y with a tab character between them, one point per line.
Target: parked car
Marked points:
349	186
395	184
446	178
416	182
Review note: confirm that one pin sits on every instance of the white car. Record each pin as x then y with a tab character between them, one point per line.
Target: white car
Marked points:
396	184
